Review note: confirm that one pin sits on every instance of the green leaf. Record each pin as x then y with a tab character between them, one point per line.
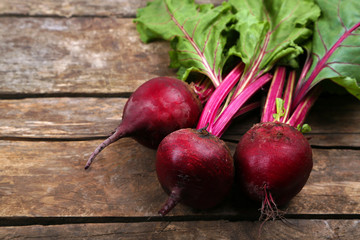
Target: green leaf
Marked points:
272	31
336	48
305	128
280	109
196	33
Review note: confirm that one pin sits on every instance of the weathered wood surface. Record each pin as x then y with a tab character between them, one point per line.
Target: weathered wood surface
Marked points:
47	179
334	119
68	8
77	61
200	230
76	55
69	118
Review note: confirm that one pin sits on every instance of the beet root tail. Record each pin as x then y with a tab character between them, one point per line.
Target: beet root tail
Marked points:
119	133
269	209
171	202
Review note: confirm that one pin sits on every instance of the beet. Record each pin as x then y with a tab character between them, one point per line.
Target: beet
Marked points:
273	162
157	108
194	167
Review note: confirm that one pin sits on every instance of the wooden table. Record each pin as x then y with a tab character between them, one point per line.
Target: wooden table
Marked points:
67	68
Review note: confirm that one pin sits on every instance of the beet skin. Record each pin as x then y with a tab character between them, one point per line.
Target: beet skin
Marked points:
158	107
275	159
194	167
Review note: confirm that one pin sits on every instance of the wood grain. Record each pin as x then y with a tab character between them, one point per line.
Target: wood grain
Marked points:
76	118
76	55
68	8
331	182
47	179
200	230
60	117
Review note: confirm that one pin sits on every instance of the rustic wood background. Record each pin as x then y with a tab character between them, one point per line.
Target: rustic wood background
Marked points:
67	68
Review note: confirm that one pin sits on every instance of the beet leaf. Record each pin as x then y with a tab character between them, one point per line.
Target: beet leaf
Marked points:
195	32
335	48
271	32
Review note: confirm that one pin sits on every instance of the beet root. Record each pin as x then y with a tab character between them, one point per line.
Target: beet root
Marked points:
273	161
158	107
194	167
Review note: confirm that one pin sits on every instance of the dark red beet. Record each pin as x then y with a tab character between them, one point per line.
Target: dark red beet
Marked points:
158	107
194	167
273	163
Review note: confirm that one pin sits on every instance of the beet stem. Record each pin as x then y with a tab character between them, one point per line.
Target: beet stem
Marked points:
171	202
227	115
275	91
213	104
119	133
288	95
298	116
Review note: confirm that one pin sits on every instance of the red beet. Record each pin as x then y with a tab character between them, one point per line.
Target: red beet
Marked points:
273	162
157	108
194	167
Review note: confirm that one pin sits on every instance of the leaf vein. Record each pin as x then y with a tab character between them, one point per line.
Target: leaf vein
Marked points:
350	46
328	66
340	18
190	59
321	38
343	63
203	60
284	19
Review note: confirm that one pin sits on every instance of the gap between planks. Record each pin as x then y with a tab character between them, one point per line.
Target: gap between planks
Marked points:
48	221
96	138
10	96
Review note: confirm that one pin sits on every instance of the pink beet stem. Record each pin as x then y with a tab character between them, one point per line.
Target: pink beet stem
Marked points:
171	202
212	106
288	94
220	125
304	72
275	91
119	133
302	109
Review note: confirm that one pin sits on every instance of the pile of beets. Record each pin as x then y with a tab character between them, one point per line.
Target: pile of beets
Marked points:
248	56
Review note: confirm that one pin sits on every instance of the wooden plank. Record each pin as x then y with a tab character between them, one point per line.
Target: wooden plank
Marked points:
295	229
60	117
47	179
333	185
76	55
76	118
329	113
122	8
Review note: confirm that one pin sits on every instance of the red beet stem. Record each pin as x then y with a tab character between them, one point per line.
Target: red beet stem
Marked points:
275	92
119	133
171	202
